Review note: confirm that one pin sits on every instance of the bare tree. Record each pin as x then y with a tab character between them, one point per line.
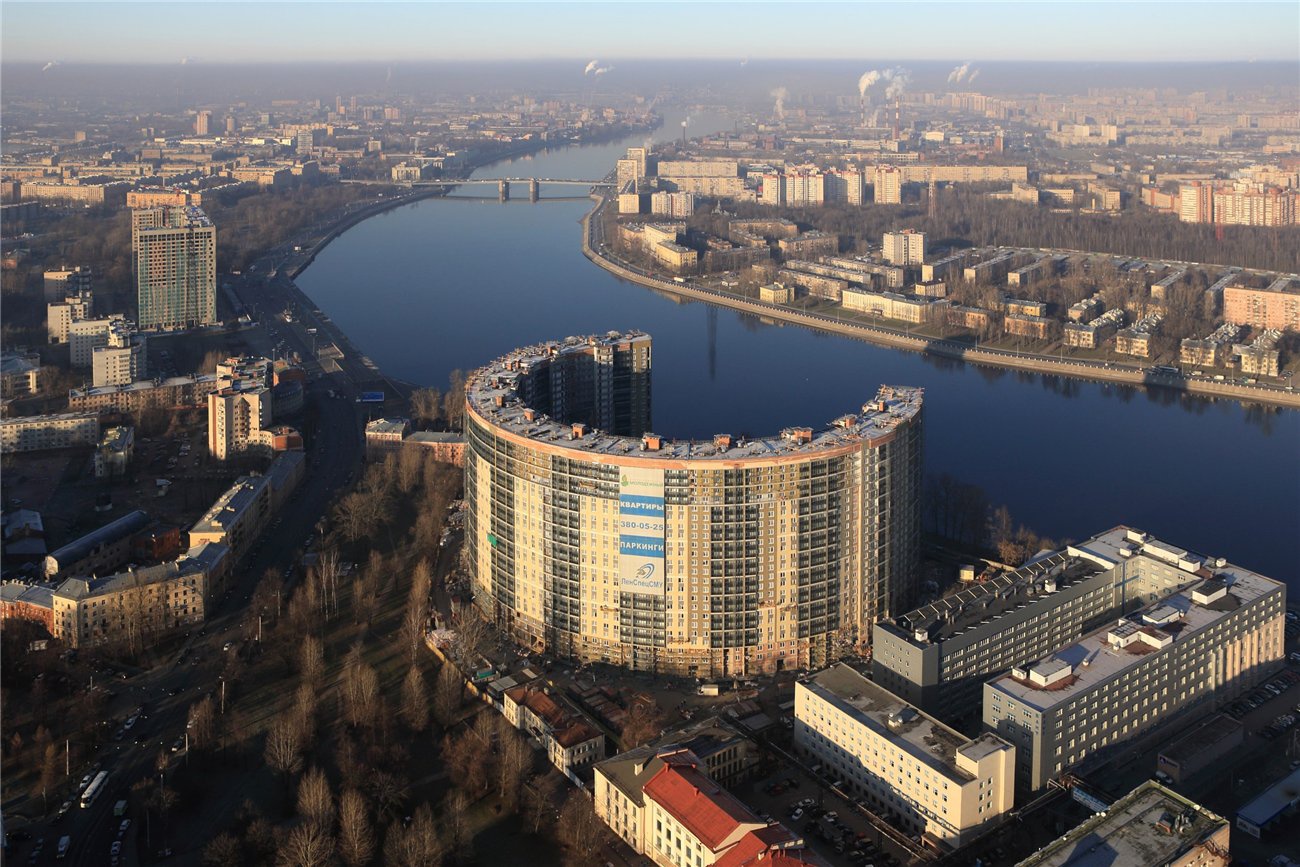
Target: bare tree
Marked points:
223	850
311	660
447	695
284	745
515	761
356	836
456	823
389	792
49	771
411	635
315	800
426	405
538	804
202	724
307	845
360	694
579	828
304	709
414	846
415	700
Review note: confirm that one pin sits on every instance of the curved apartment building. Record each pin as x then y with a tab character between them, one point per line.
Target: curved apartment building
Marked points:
591	538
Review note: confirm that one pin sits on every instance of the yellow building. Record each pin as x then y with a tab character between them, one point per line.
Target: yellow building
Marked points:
932	779
591	538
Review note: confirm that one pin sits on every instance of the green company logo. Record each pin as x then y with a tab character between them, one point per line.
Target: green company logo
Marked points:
623	480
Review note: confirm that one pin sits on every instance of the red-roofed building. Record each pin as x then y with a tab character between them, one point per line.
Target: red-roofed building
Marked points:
691	821
570	741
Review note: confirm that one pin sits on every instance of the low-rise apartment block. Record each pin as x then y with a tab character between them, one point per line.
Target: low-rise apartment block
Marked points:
238	516
1261	357
1033	327
1277	307
32	433
1191	649
1211	351
925	777
385	435
115	452
133	606
101	550
890	305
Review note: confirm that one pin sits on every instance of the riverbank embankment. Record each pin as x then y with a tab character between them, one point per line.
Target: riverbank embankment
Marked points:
955	349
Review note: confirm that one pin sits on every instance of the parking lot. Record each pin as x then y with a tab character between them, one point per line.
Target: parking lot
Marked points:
830	825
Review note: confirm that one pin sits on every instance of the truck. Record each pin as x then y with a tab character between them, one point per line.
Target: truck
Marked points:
709	689
119	809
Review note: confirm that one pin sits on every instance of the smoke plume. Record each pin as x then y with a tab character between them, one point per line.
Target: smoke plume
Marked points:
898	79
971	80
47	67
591	67
866	81
958	73
779	94
601	70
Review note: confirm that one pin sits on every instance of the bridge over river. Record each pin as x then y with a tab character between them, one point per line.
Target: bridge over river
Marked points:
502	184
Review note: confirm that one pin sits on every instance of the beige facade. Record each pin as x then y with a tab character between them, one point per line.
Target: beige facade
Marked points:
594	539
59	315
1277	307
928	778
120	362
904	248
36	432
776	293
891	305
888	185
238	516
238	421
135	606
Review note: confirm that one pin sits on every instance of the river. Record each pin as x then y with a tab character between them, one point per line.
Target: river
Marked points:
451	283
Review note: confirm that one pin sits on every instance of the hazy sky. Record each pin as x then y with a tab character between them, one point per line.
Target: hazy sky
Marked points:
395	31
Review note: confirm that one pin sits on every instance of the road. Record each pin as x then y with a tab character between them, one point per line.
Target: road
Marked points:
166	692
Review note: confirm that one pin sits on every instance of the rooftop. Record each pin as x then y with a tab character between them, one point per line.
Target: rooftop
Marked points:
1110	651
491	393
708	811
1205	735
387	426
982	603
1149	826
891	718
1272	801
77	549
221	516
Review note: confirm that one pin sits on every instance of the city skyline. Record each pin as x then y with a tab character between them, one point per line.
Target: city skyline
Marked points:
350	32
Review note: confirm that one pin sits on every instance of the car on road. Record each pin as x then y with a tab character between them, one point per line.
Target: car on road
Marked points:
122	828
226	647
116	848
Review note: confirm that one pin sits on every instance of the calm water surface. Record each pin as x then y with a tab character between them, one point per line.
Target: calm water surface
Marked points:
451	283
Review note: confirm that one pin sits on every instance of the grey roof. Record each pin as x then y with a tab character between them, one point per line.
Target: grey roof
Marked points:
892	406
1127	833
887	716
132	522
1272	801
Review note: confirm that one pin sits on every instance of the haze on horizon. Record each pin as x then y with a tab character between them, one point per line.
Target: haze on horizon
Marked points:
220	33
